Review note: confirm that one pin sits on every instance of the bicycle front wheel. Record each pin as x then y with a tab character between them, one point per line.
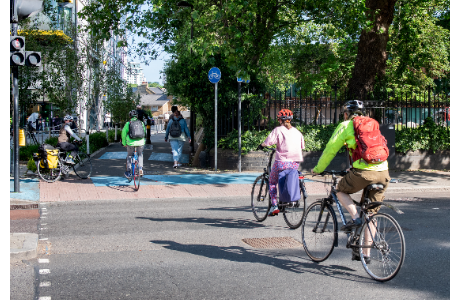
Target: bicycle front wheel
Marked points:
260	198
293	213
49	175
382	247
83	165
319	231
136	176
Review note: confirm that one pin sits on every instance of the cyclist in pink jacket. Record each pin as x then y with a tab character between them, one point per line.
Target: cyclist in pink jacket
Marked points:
289	143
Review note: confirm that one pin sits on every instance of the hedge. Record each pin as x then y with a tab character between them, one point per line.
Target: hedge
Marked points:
429	136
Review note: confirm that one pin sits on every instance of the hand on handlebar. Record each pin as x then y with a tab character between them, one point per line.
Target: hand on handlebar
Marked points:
260	147
314	173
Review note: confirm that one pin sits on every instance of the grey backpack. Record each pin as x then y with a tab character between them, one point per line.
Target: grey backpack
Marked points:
175	128
136	130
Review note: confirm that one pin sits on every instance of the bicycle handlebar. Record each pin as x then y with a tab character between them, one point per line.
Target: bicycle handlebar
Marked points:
332	172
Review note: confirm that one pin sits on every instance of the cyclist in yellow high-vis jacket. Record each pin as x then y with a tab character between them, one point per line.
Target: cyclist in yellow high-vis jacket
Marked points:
361	174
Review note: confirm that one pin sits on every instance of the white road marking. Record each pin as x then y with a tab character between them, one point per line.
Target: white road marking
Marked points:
43	208
43	260
44	271
43	217
45	298
43	239
42	228
45	284
435	207
43	224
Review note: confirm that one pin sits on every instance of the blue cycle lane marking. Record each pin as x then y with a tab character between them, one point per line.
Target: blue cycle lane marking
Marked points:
29	189
217	179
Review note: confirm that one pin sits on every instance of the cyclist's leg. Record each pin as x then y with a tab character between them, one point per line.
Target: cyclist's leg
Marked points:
273	181
375	196
140	153
130	153
174	145
349	184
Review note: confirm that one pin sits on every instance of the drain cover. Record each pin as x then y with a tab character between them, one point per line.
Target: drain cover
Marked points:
273	242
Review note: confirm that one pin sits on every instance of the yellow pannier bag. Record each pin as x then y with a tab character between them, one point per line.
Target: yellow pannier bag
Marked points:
51	161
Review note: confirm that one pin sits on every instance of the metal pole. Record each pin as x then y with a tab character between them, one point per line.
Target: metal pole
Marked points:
191	121
215	126
239	126
15	72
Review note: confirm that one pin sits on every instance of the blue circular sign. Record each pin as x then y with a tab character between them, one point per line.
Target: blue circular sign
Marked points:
214	75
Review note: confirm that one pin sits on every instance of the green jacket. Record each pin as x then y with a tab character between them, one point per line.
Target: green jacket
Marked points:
345	135
127	141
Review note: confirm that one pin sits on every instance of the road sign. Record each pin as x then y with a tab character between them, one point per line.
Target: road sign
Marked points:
242	80
214	75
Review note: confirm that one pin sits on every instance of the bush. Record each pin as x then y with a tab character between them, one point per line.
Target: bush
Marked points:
111	134
25	153
31	165
52	141
249	140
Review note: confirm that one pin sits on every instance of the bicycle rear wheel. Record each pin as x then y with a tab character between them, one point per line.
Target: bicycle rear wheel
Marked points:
136	176
260	198
83	165
382	258
293	213
319	231
49	175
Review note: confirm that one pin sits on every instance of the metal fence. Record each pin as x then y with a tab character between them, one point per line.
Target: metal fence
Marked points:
403	109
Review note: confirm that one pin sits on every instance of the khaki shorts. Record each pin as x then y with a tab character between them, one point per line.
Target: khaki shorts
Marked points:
358	179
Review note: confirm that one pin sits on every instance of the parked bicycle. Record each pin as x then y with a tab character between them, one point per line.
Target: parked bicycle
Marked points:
50	171
379	243
292	212
135	176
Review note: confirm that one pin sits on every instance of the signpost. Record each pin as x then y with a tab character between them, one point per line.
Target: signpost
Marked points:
214	77
240	80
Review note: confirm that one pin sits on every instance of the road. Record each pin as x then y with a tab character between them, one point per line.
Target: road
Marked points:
194	249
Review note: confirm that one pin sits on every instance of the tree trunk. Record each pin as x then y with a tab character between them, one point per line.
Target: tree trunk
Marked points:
371	59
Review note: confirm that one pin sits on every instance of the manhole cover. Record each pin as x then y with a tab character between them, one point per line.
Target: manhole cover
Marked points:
273	242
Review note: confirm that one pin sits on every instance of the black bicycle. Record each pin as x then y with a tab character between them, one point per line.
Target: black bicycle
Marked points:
379	243
293	212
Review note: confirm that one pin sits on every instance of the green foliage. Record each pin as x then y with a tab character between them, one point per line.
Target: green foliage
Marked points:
52	141
154	84
31	165
249	140
112	132
429	136
25	153
97	141
317	136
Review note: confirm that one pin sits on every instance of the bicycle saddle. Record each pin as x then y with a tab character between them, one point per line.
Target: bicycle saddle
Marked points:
375	186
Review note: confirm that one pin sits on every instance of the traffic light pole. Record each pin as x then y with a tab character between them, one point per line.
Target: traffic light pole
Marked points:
15	90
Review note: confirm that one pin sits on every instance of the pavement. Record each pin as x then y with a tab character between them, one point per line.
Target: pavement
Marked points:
160	180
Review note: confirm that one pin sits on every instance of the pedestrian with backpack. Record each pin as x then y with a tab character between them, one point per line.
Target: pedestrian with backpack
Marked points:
368	154
179	133
133	136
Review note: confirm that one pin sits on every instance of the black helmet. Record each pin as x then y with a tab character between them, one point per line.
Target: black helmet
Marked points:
133	113
354	107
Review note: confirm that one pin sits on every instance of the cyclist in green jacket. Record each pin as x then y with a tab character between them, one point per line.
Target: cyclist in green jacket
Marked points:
361	174
130	144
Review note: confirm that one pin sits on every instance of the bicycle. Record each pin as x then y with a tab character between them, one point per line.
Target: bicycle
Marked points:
260	200
380	233
82	167
135	170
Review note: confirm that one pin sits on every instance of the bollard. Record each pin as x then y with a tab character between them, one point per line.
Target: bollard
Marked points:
115	134
107	135
87	141
49	132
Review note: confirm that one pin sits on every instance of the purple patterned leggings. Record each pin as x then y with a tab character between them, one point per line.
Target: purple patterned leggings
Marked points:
277	167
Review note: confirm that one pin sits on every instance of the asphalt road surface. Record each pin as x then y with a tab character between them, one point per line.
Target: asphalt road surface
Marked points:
194	249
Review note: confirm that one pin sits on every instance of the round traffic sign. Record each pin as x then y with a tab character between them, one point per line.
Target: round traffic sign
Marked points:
214	75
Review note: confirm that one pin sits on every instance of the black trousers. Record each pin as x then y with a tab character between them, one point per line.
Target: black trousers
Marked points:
68	147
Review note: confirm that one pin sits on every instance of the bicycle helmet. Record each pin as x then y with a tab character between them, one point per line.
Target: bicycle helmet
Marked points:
68	118
285	114
133	113
354	107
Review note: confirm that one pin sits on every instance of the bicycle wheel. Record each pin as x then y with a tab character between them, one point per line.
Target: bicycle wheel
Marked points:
49	175
136	176
382	249
293	213
319	231
83	165
260	198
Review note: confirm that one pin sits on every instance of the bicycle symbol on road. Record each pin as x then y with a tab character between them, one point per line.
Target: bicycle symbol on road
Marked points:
214	75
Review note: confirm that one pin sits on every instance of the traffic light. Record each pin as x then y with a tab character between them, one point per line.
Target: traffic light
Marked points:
32	59
17	51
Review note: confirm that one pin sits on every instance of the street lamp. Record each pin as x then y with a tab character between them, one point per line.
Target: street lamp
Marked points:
191	121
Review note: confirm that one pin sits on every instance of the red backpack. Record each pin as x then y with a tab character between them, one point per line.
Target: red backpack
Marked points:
370	143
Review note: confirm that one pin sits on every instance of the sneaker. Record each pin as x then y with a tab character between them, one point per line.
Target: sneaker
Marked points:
355	256
175	166
127	175
352	224
274	210
141	172
69	161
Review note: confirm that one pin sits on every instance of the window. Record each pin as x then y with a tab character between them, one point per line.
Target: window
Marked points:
154	108
64	17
